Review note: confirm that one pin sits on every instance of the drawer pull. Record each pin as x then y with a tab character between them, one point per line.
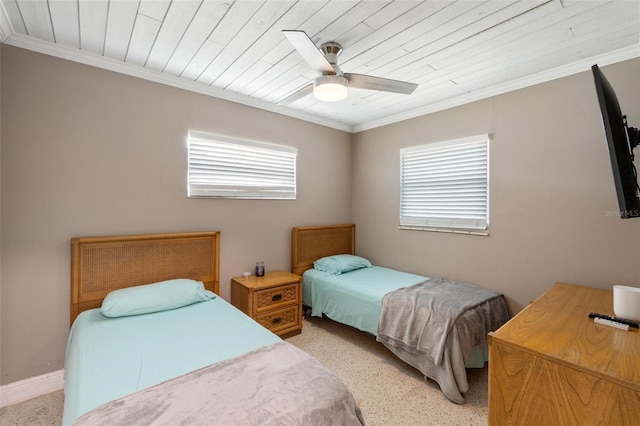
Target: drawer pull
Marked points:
276	297
276	321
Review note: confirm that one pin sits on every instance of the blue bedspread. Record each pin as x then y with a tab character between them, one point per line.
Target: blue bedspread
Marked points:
108	358
354	298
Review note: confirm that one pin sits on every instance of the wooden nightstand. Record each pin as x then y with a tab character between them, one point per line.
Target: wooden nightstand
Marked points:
274	301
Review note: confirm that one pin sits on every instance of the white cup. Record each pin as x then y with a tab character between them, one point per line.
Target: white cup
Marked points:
626	302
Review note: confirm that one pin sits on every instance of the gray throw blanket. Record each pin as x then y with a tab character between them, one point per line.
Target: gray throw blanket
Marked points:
420	325
277	384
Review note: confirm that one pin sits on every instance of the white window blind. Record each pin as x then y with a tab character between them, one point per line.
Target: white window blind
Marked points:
445	186
232	168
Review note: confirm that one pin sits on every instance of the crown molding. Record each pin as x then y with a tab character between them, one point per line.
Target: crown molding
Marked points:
542	77
92	59
103	62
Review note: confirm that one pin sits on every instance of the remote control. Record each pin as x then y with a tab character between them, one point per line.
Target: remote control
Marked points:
615	319
610	323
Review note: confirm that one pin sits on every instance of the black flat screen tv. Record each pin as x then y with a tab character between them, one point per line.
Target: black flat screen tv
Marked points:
621	140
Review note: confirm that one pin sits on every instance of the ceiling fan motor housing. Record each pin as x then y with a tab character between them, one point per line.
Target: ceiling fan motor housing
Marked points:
331	50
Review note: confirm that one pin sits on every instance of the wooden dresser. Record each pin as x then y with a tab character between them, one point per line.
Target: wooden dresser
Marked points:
274	301
552	365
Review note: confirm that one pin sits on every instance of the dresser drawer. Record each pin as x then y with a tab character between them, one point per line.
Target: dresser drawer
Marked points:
274	298
281	319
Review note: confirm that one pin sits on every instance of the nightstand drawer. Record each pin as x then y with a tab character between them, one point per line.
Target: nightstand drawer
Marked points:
281	319
272	298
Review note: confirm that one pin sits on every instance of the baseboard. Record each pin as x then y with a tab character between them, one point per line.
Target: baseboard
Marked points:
32	387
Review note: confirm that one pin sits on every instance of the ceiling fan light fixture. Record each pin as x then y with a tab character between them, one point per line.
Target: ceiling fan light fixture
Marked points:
330	88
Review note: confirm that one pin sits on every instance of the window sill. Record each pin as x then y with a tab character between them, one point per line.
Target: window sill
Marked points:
483	233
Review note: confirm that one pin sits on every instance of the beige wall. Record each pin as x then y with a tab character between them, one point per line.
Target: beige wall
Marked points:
92	152
550	188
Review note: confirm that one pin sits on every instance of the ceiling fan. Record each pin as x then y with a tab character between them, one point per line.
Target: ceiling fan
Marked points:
331	85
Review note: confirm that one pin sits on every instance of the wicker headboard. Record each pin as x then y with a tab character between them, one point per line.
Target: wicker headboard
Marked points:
310	243
102	264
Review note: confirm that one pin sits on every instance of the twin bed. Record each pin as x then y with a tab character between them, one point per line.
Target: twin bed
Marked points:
435	325
151	361
153	354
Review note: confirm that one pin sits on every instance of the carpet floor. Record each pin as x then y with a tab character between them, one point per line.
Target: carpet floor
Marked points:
388	391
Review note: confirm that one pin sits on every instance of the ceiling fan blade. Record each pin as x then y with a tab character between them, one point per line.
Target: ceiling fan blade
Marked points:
306	90
361	81
309	51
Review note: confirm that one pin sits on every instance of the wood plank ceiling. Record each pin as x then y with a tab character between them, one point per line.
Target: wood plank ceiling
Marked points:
456	51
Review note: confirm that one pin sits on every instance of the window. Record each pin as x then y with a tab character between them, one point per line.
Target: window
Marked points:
232	168
444	186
